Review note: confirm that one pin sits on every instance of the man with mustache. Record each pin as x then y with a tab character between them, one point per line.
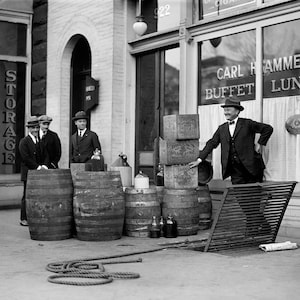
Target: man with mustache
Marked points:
240	156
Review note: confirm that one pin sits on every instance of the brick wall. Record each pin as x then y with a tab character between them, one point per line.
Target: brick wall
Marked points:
101	23
39	57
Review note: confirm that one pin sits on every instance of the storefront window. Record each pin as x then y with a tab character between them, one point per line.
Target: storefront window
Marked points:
281	103
12	108
13	39
281	64
171	93
209	8
227	68
161	14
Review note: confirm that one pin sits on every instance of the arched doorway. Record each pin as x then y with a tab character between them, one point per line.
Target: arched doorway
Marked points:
80	69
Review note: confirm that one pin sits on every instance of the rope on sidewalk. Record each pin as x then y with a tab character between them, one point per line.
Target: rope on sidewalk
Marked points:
83	269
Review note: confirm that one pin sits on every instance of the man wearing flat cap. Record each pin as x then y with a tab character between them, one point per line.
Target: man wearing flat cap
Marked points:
33	157
50	140
84	141
240	156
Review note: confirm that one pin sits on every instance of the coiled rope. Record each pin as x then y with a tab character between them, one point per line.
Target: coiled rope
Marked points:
83	269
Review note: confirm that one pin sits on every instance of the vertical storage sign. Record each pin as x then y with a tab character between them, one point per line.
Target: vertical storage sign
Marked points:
8	92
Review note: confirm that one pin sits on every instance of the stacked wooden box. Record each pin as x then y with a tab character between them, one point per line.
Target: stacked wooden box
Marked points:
179	147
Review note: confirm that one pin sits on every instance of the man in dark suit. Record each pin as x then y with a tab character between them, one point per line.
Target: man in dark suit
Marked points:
84	141
50	140
240	156
33	157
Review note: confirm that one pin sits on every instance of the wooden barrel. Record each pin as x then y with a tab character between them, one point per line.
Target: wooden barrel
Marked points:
205	206
140	206
49	196
184	207
99	206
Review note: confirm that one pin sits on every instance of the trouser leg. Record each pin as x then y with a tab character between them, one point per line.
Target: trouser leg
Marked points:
254	217
23	215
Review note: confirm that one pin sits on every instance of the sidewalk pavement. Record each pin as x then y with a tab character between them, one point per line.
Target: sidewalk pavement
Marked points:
166	274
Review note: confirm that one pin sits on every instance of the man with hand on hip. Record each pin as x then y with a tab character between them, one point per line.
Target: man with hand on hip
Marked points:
240	157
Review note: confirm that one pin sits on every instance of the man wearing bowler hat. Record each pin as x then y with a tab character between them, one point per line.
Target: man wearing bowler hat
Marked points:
50	140
33	157
84	141
240	156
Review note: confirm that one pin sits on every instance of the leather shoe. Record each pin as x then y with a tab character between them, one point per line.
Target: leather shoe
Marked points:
23	223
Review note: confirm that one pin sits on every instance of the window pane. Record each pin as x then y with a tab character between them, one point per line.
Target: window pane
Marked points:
209	8
13	39
146	124
227	68
172	62
281	65
12	110
161	14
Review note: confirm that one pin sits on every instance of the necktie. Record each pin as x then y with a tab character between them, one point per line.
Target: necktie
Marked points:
80	133
231	122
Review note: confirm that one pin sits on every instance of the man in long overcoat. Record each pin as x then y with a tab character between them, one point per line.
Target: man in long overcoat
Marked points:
84	141
50	140
33	157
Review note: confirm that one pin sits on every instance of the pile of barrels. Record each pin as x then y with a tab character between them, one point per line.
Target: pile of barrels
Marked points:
179	147
93	206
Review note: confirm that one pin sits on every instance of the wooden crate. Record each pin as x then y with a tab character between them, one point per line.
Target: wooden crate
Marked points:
178	152
181	127
180	177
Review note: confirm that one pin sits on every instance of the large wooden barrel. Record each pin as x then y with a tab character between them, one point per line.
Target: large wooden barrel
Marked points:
140	206
184	207
205	206
99	206
49	196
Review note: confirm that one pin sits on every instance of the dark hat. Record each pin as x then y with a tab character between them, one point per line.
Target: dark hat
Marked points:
80	115
44	119
232	103
205	172
32	121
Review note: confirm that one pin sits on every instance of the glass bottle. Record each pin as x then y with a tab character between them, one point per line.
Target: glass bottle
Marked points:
170	228
154	228
162	225
160	176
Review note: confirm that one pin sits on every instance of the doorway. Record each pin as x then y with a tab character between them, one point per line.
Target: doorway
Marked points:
157	95
80	69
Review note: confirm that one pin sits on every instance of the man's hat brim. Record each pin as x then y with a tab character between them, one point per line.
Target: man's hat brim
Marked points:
239	107
32	124
80	118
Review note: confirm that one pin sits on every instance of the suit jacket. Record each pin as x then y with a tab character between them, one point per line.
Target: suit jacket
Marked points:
83	147
244	137
32	155
52	144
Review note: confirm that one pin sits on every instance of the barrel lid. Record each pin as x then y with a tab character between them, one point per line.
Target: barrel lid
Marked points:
205	172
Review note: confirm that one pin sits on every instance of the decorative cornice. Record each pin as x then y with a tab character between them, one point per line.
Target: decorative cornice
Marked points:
153	41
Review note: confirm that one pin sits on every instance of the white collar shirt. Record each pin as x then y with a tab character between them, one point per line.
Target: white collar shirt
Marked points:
41	134
232	126
32	137
81	132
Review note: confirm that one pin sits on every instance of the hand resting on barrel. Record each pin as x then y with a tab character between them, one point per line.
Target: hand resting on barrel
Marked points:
195	163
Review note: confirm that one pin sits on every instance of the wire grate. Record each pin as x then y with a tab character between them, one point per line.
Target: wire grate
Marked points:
249	215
